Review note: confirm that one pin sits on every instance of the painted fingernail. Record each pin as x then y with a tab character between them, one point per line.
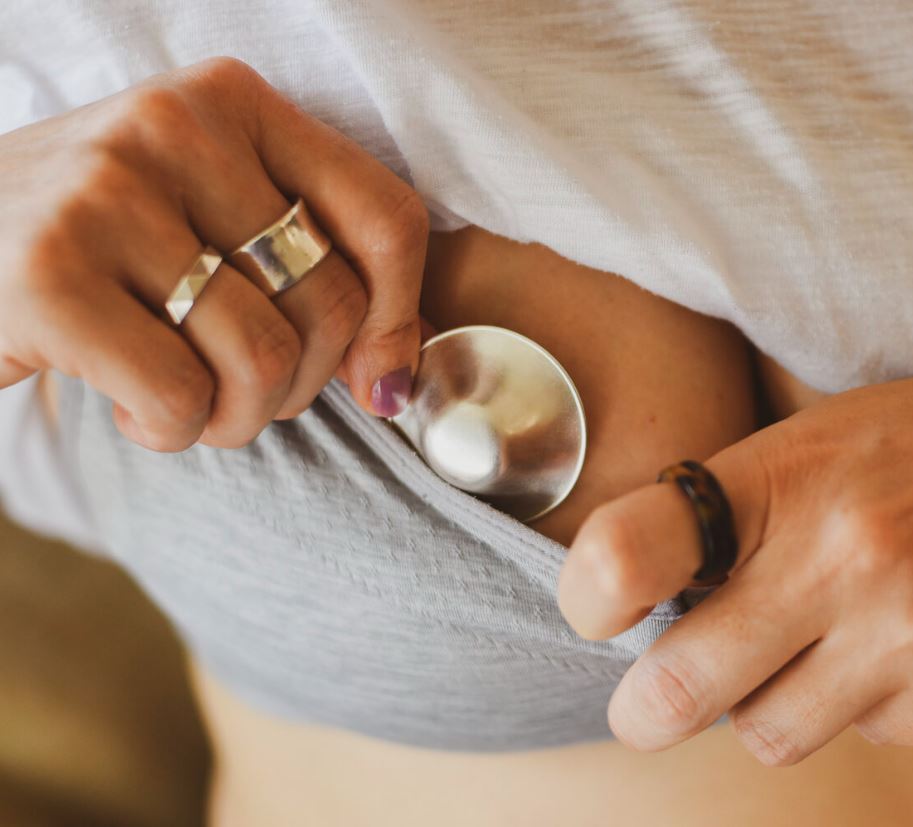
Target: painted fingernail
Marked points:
390	393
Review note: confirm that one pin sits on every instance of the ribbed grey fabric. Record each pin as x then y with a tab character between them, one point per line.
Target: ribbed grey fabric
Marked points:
326	574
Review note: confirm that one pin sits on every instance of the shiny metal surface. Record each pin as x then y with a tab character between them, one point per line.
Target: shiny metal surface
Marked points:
496	415
192	284
281	255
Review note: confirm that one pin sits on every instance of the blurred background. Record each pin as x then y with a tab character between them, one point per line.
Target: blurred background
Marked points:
97	724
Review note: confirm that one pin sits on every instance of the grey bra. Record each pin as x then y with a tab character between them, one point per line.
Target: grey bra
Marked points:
327	575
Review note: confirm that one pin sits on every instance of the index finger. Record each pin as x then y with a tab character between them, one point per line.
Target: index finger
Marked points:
375	219
162	391
645	547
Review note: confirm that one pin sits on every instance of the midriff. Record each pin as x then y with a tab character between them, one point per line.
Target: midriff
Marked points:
659	383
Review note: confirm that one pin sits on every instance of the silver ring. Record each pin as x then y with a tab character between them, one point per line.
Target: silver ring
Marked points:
284	253
192	284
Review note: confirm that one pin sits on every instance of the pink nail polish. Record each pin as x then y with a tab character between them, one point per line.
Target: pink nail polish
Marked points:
390	393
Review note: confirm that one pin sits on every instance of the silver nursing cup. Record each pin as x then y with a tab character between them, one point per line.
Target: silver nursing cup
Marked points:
496	415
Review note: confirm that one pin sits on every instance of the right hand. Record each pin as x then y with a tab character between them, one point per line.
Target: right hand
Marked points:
104	208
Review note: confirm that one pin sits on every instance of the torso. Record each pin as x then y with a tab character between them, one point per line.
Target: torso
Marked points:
659	384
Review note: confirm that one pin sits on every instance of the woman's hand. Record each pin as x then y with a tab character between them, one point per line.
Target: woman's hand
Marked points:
103	209
813	630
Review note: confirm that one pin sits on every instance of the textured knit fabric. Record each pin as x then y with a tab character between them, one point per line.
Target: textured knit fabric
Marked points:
39	483
326	574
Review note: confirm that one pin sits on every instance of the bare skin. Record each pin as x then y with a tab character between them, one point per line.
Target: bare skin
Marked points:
277	773
659	383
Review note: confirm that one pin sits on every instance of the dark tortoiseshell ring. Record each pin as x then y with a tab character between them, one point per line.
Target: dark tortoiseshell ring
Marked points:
714	517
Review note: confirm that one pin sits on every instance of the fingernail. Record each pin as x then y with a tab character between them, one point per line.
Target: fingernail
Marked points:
390	393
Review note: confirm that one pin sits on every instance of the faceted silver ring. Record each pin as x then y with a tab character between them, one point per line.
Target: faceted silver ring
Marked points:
284	253
192	284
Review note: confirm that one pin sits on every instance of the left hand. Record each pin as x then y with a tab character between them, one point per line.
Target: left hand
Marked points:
813	630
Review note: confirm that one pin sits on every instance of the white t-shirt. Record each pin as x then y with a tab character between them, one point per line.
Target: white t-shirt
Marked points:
750	160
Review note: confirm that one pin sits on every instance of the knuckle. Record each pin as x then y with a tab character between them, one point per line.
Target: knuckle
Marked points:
155	107
54	282
404	227
56	246
229	442
185	398
228	437
106	187
670	697
610	547
56	263
46	282
873	732
393	336
155	123
100	187
226	70
167	442
603	563
872	542
273	358
229	83
889	724
766	742
583	566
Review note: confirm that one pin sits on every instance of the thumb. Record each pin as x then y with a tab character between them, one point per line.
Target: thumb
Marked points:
427	331
382	359
645	547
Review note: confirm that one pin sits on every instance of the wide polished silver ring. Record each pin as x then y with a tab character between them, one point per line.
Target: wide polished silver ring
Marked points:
192	284
284	253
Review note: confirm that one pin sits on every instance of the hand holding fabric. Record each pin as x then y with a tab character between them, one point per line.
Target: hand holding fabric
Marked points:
813	630
102	210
